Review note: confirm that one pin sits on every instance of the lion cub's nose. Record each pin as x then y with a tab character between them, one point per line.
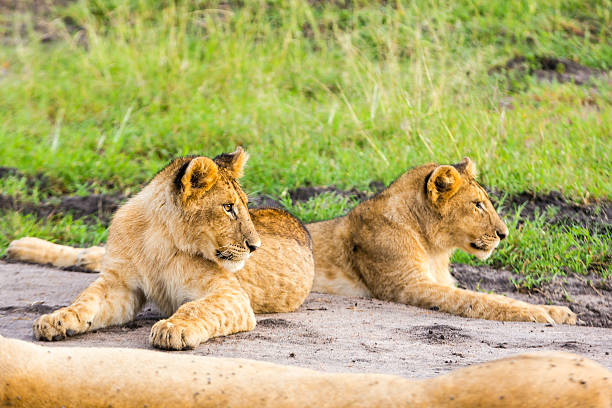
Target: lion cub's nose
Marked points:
252	247
501	235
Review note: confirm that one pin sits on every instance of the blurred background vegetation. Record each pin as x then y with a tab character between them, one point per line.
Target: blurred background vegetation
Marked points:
97	95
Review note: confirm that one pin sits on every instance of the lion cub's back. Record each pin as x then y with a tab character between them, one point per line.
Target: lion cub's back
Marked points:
278	276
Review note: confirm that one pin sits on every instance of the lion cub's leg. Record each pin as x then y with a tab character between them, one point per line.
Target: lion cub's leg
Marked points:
106	302
30	249
483	306
224	310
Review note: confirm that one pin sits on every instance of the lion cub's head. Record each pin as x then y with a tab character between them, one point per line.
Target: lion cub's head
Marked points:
468	217
213	213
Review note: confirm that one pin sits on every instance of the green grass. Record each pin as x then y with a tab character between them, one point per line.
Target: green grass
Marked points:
537	251
64	230
18	187
362	94
319	208
317	92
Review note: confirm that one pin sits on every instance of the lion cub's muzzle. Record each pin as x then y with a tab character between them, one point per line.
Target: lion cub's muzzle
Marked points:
233	252
485	242
488	242
232	257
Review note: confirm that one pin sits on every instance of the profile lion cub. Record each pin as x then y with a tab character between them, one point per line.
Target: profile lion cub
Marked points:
395	246
183	242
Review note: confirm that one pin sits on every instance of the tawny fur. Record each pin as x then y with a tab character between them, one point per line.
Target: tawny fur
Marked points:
395	246
36	376
182	243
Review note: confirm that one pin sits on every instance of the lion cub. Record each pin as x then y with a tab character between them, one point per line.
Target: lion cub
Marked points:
183	242
397	246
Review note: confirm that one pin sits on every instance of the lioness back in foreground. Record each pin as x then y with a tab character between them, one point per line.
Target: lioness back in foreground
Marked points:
183	243
395	246
36	376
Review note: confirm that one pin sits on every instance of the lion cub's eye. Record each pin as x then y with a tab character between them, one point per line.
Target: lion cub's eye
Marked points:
228	208
479	205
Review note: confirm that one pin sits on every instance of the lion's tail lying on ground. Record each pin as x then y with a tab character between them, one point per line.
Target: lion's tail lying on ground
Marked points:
36	250
36	376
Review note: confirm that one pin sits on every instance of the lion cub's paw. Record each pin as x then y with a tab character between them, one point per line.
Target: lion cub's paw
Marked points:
561	314
534	313
171	334
90	258
24	249
58	325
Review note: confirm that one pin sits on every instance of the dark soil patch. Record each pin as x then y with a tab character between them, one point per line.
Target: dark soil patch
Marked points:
9	171
44	19
263	201
597	217
282	323
548	68
438	334
100	205
36	309
39	180
306	193
590	296
303	194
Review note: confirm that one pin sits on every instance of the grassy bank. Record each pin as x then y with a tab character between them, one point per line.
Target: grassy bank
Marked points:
98	95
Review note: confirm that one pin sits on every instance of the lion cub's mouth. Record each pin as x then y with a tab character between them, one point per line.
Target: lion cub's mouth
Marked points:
225	255
231	261
478	247
483	251
231	253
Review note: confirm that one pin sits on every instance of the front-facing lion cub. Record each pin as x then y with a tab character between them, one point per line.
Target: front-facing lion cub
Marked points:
183	242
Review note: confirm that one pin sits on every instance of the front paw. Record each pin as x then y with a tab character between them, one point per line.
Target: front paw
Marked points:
561	314
537	314
172	334
58	325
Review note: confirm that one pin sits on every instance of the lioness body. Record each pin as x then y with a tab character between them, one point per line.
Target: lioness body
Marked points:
182	242
395	246
35	376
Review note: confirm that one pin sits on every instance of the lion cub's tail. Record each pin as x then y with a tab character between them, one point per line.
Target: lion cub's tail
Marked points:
35	250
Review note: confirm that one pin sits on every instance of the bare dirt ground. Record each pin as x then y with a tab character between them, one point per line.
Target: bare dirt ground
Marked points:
329	333
590	297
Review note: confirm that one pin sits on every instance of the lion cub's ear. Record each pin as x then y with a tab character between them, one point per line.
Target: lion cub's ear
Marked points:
443	183
200	175
467	167
233	162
